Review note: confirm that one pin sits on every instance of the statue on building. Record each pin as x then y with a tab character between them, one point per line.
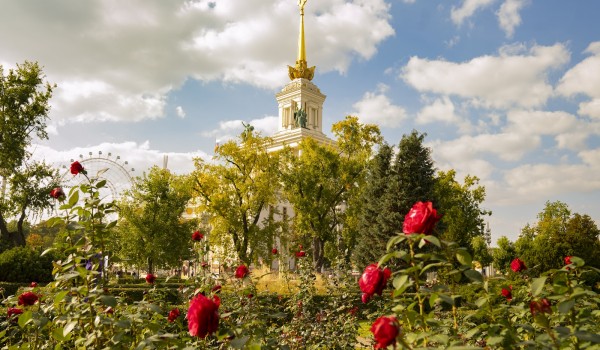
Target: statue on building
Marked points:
248	129
300	118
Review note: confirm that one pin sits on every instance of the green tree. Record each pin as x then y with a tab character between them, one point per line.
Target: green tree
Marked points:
28	190
372	233
504	254
559	233
151	230
320	180
481	251
24	109
463	217
235	189
411	179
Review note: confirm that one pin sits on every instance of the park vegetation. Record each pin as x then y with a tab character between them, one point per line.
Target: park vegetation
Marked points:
387	251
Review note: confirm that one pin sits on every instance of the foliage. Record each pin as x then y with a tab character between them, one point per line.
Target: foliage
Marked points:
29	186
558	233
24	107
23	264
463	217
555	310
503	254
151	231
410	179
319	180
235	190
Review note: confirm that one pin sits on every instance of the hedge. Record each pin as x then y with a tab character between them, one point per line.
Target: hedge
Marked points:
23	264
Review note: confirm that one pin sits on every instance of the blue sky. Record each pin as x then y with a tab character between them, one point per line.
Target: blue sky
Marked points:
507	90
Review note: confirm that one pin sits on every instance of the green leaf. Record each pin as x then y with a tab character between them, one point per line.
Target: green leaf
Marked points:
57	334
464	258
69	327
537	285
395	240
46	251
481	302
400	281
74	198
25	318
60	296
433	240
447	299
101	184
565	306
586	336
473	275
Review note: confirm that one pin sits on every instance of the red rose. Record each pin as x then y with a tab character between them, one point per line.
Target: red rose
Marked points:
373	280
300	254
57	193
77	168
518	265
507	293
173	314
365	297
197	236
217	300
150	278
33	284
542	306
216	288
28	298
274	251
568	260
204	264
420	219
13	311
385	330
203	316
109	310
242	271
250	295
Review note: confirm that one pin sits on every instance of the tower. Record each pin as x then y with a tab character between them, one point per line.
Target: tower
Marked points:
300	101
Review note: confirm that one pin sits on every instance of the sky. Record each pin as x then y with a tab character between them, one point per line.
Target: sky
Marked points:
506	90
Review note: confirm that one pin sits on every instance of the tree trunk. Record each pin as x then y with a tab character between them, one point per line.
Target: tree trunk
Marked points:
318	254
150	266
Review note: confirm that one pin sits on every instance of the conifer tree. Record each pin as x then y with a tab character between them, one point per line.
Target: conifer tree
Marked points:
372	236
408	180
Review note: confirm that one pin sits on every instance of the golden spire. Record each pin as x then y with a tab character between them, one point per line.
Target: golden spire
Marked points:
301	70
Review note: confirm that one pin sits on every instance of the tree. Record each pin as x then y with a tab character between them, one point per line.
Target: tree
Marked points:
411	179
481	251
234	190
24	109
559	233
463	218
29	189
319	180
151	229
504	254
372	234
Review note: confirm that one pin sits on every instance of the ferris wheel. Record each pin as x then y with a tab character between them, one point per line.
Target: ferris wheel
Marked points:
116	172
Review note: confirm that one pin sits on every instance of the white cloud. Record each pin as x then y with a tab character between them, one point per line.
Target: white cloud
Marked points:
119	61
230	129
590	108
442	110
509	17
509	79
137	156
376	108
584	78
180	112
468	9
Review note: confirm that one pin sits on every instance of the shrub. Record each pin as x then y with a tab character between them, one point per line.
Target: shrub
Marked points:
23	264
